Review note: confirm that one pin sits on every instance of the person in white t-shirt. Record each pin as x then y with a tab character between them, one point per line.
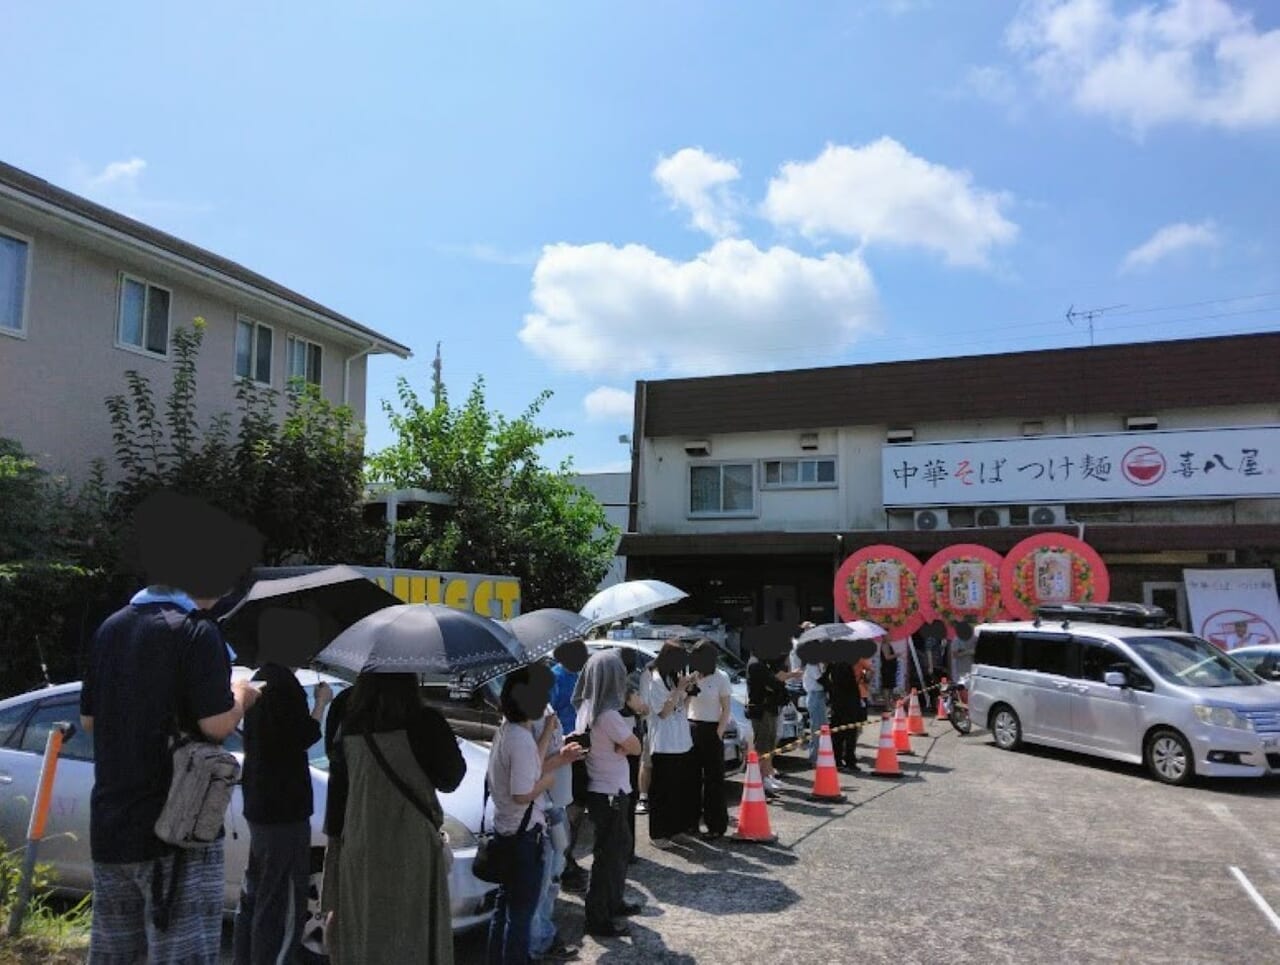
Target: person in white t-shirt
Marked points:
673	782
599	697
708	719
519	777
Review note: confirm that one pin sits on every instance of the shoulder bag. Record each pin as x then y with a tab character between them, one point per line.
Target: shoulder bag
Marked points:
412	798
493	862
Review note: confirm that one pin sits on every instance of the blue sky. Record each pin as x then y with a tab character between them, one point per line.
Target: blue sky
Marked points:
576	195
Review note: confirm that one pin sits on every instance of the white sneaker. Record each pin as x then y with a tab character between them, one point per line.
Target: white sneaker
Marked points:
771	783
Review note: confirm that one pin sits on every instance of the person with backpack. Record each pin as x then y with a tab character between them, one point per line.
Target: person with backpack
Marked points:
159	668
276	786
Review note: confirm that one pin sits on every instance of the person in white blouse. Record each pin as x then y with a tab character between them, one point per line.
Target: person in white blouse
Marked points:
673	782
708	719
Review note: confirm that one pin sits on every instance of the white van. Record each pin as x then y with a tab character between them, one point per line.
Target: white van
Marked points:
1156	696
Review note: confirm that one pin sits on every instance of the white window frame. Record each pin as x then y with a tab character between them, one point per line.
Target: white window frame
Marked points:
21	330
288	375
168	335
764	475
751	513
253	351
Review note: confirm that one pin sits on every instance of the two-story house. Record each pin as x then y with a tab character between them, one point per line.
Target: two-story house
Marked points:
749	491
87	294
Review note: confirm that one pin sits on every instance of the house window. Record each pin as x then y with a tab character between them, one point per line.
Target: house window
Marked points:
799	473
253	350
723	489
144	316
304	359
13	283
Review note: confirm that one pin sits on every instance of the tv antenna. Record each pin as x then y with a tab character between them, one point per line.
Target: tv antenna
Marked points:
1089	314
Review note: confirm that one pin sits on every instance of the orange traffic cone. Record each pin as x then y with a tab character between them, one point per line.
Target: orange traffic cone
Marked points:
886	754
753	814
901	734
941	700
915	719
826	780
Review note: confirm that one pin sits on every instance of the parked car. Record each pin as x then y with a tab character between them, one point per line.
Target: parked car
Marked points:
1170	700
25	722
1263	659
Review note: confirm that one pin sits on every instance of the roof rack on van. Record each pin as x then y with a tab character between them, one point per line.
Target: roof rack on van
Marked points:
1117	614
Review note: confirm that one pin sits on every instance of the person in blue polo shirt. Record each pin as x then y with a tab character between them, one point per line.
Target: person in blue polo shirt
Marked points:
159	665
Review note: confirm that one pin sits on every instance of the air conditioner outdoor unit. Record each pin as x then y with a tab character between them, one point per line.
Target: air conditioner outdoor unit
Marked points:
1047	515
928	519
986	516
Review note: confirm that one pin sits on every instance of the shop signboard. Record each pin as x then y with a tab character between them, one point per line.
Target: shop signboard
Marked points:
1234	608
1233	463
497	597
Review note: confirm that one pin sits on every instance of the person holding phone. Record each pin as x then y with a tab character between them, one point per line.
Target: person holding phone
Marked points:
599	696
708	719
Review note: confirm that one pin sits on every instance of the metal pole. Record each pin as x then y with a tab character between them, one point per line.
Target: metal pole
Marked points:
35	829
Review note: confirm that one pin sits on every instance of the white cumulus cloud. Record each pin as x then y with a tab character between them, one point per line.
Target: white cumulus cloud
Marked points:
1195	61
1170	240
119	173
607	404
699	183
600	308
881	193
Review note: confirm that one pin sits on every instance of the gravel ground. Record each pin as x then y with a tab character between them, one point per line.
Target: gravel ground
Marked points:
975	856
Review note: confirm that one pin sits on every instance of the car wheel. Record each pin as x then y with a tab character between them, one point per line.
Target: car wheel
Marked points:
1006	728
1169	757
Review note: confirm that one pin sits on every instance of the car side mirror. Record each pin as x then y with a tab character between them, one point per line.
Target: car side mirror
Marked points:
1115	678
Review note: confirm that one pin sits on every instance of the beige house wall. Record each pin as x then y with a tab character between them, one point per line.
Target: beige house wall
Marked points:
55	377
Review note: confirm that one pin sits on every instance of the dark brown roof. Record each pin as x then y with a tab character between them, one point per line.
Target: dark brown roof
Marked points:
39	188
1132	379
1106	538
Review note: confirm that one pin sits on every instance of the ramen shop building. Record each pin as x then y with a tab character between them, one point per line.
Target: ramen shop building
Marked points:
748	491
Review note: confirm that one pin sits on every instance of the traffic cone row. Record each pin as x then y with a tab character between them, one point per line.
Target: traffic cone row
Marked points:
915	720
753	814
826	779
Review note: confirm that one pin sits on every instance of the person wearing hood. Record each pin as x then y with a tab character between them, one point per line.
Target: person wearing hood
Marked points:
599	696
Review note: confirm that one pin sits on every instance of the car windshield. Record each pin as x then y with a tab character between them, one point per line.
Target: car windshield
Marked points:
1191	662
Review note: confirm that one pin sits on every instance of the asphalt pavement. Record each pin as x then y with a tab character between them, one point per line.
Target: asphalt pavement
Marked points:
976	855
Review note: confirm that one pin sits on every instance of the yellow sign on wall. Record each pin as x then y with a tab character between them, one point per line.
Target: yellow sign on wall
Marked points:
497	597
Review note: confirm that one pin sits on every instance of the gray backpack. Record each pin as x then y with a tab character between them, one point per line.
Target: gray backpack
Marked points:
203	777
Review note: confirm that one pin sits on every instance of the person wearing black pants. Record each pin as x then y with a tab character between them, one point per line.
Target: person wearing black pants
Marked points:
599	696
709	717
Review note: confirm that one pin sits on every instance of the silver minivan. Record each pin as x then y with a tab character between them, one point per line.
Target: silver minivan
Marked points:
1159	697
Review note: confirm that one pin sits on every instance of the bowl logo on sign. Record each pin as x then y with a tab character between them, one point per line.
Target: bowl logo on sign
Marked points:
1143	465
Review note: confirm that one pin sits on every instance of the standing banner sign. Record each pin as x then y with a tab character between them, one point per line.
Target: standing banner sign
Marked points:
1234	608
1052	568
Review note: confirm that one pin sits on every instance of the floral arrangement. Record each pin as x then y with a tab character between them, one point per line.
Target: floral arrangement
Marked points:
940	593
908	599
1083	585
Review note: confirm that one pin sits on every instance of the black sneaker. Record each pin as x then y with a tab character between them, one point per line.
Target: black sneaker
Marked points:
629	908
611	929
558	952
574	880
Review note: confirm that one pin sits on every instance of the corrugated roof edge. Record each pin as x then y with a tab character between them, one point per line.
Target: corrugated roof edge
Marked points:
29	184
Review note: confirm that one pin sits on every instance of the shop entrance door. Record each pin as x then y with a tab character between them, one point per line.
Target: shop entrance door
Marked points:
1170	597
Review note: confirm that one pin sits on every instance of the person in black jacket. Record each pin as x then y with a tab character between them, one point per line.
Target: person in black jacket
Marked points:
766	695
845	700
276	783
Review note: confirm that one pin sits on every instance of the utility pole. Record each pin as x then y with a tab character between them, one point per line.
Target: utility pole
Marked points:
437	383
1089	314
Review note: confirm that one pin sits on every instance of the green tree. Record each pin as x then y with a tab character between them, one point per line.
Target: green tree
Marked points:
510	514
298	477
